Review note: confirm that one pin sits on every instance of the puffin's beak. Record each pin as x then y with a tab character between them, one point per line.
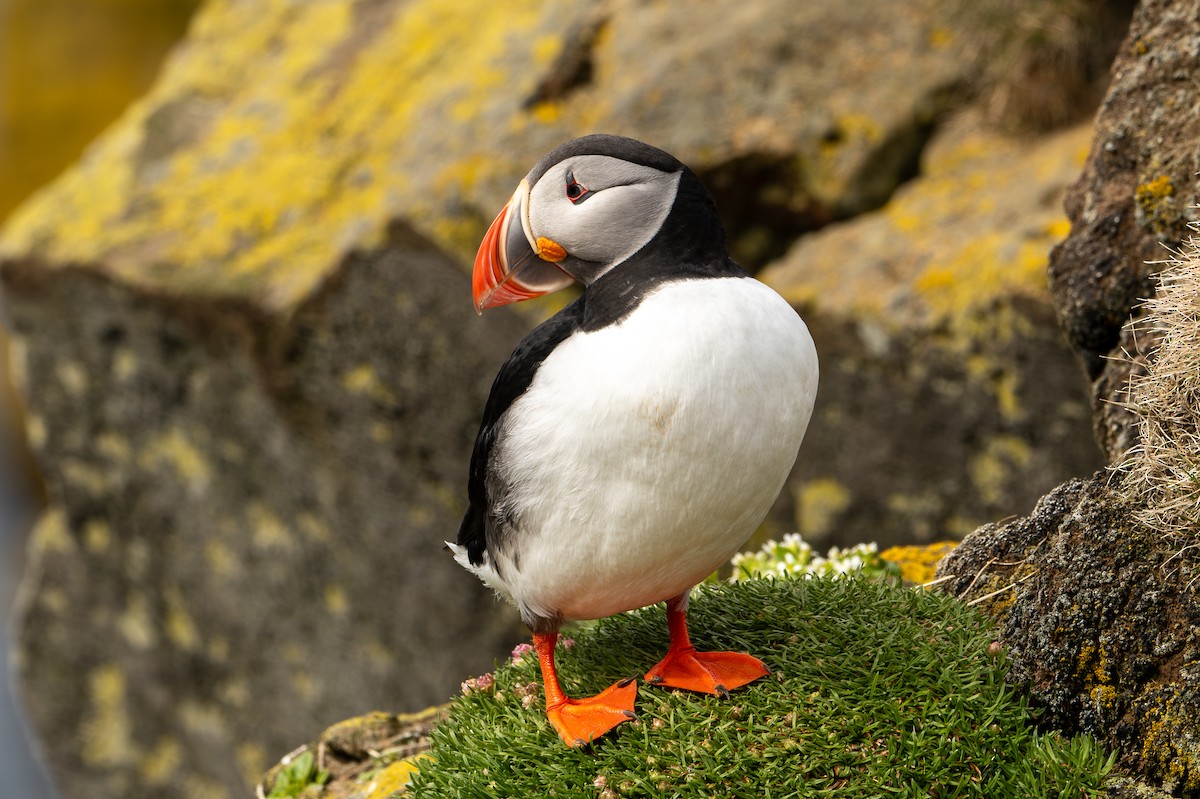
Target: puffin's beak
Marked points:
510	266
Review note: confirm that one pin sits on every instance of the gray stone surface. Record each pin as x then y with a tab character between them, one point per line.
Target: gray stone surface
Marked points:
1095	590
948	395
253	390
1131	200
244	537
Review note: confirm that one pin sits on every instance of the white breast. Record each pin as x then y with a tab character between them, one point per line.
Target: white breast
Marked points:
645	453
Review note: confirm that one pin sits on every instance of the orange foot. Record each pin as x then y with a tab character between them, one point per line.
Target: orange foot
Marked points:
707	672
580	721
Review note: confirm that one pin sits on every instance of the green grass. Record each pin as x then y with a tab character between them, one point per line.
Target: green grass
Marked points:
877	691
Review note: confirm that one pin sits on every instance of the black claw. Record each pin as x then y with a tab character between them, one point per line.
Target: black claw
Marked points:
722	691
656	679
580	742
629	714
625	682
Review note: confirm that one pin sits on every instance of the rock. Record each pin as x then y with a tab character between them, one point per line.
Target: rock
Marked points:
1095	591
366	757
244	536
1099	623
1130	201
62	101
254	379
947	394
357	112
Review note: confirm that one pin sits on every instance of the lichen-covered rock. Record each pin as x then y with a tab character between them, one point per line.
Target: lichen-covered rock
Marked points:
947	394
1095	590
282	133
1132	198
254	388
61	101
244	536
1100	624
366	757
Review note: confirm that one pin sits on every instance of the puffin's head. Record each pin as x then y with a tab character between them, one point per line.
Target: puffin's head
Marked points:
587	206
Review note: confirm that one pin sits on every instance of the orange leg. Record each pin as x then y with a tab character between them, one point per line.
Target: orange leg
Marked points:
707	672
579	721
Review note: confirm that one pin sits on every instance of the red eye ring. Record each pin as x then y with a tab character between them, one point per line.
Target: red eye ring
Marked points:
576	191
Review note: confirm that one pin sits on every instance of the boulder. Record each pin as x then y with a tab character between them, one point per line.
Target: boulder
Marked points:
1095	590
948	396
1129	206
279	136
242	328
1100	624
244	537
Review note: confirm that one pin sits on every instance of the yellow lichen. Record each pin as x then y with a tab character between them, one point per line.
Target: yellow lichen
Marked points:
72	376
269	531
1092	665
285	174
1151	193
314	528
992	469
136	624
51	534
917	563
218	649
159	766
84	475
220	559
113	446
818	505
304	686
335	600
35	430
1155	203
1170	743
235	693
124	365
949	254
177	451
364	380
203	719
181	630
919	510
381	432
376	654
96	536
106	729
251	762
940	36
394	778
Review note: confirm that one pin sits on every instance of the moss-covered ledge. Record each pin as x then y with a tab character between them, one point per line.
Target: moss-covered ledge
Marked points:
876	689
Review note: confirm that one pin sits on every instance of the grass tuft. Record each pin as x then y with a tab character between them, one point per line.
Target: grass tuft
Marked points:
877	691
1163	470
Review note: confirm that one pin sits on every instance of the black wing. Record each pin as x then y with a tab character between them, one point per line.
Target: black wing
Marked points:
514	377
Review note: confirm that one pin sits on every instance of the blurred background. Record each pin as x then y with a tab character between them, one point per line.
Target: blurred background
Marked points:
67	69
237	315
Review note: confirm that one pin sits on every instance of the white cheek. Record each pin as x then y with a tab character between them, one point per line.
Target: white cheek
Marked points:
609	226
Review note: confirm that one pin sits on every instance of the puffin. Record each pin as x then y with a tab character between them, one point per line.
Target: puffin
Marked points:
633	441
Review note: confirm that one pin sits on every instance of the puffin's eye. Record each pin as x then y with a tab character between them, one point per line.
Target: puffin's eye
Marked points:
576	191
